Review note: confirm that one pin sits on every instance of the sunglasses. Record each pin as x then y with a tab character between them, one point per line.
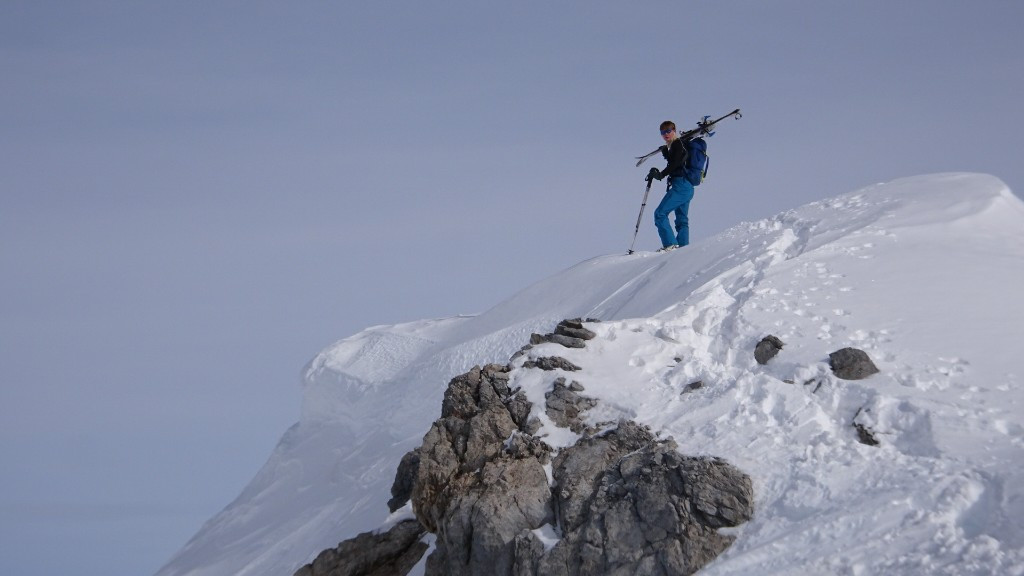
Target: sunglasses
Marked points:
667	132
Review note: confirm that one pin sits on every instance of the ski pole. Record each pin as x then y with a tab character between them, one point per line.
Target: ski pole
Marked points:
641	215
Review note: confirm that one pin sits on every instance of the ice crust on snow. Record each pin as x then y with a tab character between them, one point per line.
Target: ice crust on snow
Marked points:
922	273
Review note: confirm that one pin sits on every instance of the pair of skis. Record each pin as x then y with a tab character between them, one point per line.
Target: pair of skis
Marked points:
704	128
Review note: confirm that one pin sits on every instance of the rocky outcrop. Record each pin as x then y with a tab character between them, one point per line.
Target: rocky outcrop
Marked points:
622	501
618	501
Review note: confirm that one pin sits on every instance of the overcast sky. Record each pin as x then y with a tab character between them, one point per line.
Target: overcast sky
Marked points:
196	197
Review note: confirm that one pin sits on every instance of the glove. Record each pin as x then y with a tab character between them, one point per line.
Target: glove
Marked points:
654	174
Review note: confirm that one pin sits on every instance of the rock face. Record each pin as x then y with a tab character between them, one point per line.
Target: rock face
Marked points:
620	500
630	504
401	489
481	478
851	364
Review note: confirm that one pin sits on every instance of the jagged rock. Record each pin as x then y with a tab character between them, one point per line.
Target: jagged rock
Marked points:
481	479
564	405
551	363
578	469
851	364
474	424
394	552
459	398
477	530
767	348
401	488
629	504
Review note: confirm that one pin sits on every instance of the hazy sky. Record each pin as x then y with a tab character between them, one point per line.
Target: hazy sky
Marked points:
196	197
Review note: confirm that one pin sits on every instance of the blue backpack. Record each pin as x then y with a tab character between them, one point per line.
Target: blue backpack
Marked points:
696	160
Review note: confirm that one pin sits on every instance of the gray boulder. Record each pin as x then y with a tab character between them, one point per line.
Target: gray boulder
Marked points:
851	364
767	348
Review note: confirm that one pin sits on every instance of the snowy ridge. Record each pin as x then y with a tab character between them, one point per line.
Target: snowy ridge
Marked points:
921	273
336	378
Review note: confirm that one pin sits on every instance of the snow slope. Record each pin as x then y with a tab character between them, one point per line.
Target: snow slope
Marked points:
922	273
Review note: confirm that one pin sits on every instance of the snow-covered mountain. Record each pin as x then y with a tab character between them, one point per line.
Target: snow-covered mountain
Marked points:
922	273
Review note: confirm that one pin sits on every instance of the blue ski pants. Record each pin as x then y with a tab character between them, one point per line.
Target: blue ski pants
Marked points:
677	199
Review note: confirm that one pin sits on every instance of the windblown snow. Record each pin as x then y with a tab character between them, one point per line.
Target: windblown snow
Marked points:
921	273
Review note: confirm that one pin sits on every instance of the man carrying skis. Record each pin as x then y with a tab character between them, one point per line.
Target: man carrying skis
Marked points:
679	193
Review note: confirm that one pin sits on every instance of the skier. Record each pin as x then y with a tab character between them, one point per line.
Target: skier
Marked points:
678	194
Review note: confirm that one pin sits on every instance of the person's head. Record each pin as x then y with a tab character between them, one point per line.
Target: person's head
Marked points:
668	130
